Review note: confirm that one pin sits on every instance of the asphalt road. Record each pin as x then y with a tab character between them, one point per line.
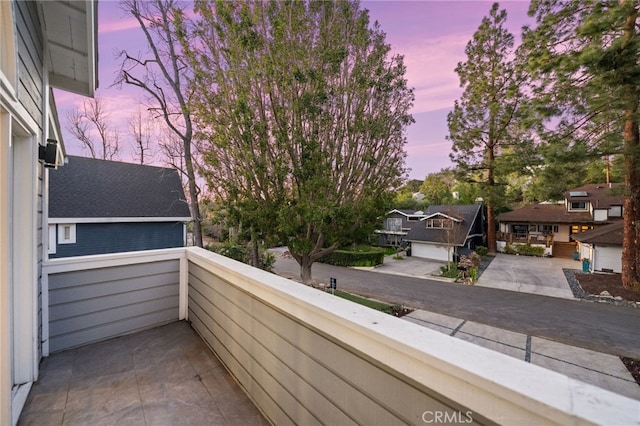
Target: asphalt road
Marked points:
597	326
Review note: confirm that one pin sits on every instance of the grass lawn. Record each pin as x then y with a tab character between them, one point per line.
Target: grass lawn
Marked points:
395	310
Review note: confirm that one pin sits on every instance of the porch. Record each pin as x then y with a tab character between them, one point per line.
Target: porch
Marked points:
164	375
302	356
534	237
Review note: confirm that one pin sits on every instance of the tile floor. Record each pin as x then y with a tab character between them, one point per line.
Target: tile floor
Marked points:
162	376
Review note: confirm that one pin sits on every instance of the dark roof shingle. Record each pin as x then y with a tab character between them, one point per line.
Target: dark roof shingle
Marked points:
457	236
545	213
610	234
91	188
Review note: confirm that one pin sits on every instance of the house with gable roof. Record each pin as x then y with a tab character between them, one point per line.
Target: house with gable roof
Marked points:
447	231
396	225
553	226
99	206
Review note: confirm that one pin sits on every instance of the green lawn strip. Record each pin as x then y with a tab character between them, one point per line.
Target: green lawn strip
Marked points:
378	306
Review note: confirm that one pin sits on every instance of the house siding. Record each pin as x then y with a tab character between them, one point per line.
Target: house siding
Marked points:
30	61
102	238
96	304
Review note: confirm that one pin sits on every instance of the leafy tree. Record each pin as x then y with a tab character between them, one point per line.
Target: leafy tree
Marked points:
302	112
583	56
438	188
162	77
484	126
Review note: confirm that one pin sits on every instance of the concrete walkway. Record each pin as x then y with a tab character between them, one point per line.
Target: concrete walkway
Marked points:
580	339
602	370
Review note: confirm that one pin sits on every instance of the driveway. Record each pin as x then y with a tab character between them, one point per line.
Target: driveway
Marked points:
536	275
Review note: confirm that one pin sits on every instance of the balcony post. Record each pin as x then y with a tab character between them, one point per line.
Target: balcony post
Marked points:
183	308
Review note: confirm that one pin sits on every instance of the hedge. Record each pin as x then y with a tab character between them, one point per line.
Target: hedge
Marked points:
354	258
524	249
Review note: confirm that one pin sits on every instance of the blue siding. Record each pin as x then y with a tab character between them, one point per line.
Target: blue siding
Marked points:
101	238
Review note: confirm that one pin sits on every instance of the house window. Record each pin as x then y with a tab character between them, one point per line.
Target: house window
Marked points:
578	206
394	224
547	228
66	233
439	223
576	229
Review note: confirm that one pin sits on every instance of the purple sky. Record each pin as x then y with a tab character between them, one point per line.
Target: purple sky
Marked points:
431	35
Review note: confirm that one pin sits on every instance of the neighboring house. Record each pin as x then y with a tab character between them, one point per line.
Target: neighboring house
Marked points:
43	44
554	225
602	247
447	231
99	206
397	224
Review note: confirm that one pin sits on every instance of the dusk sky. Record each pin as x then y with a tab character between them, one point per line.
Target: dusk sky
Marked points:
431	35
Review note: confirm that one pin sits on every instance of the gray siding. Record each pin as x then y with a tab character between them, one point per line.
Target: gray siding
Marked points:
295	373
30	61
97	304
102	238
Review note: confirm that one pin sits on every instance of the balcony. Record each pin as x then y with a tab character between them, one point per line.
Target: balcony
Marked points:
300	355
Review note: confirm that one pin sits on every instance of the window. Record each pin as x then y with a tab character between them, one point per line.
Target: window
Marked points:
575	229
66	233
578	206
439	223
394	224
547	228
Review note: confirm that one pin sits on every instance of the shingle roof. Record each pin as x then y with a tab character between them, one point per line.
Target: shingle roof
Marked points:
545	213
419	232
610	234
91	188
600	195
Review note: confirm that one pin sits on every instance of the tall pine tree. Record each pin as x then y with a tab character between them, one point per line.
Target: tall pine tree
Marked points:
583	57
483	125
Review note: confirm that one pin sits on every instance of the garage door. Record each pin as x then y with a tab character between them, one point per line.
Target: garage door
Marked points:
429	251
608	258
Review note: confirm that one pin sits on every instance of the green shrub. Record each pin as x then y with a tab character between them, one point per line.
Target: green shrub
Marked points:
509	249
524	250
449	270
354	258
473	274
482	250
243	254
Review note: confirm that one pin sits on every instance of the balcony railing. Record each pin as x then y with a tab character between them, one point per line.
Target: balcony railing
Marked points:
538	238
307	357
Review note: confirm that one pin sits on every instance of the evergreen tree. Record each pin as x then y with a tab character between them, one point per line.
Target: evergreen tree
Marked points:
484	126
583	57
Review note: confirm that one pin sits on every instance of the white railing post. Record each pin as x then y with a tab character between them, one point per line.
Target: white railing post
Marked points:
183	307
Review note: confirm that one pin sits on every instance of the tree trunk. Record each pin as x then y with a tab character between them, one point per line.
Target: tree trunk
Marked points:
305	268
255	256
631	218
193	195
491	223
